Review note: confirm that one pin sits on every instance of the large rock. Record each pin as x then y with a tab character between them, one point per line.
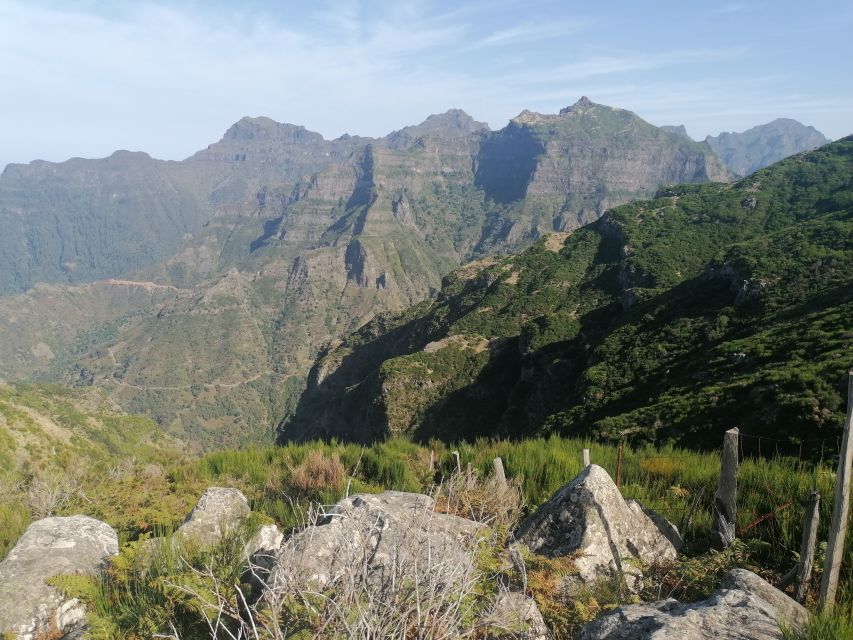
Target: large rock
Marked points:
378	539
29	607
219	512
745	608
515	616
590	518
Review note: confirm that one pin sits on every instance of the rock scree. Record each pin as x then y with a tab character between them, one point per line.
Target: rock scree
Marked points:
744	608
29	607
590	518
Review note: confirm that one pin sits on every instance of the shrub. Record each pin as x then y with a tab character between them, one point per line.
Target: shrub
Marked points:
318	473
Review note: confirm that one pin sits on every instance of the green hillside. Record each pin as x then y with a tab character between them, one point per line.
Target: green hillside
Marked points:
63	448
668	320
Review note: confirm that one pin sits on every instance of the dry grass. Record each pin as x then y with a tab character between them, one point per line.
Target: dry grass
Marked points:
318	472
487	501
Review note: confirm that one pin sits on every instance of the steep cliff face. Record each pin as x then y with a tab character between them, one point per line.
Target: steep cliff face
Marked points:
765	144
568	168
667	320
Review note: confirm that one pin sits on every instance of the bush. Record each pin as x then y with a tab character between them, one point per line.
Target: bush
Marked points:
318	473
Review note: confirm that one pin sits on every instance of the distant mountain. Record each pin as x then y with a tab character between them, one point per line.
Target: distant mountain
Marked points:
202	290
668	320
765	144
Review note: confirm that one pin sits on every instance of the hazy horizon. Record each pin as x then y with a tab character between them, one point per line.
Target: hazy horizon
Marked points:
87	78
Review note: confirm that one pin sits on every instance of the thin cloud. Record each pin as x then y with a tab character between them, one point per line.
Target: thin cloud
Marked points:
529	32
597	66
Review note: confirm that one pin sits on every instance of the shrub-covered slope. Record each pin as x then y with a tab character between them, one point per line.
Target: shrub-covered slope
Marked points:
44	427
673	319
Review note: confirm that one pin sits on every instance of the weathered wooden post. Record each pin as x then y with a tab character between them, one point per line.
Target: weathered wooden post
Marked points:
840	509
455	455
500	475
431	461
585	458
725	498
619	466
804	569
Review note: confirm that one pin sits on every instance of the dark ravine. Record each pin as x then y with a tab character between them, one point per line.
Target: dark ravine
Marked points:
210	284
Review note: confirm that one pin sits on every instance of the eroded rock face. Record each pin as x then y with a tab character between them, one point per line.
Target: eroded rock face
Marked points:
50	547
745	608
376	539
589	517
219	511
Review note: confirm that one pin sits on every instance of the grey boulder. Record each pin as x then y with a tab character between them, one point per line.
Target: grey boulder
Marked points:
31	608
380	540
744	608
610	536
219	512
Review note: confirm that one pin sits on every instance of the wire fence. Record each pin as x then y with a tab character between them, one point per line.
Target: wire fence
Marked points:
773	486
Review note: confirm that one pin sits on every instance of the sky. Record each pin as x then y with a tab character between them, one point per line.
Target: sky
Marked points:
84	78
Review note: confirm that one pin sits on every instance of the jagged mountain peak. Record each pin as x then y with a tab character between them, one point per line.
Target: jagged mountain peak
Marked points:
583	107
264	128
453	123
582	103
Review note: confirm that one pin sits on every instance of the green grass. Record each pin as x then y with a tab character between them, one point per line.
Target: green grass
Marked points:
827	625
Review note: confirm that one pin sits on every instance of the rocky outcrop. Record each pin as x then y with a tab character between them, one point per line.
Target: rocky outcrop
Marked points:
590	518
219	511
377	540
29	607
679	129
744	608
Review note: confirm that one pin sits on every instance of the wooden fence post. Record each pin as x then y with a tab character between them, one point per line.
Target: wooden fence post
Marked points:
432	461
455	455
804	569
840	510
500	475
619	466
725	498
585	458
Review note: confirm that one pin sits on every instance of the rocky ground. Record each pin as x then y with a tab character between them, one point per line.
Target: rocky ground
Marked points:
398	564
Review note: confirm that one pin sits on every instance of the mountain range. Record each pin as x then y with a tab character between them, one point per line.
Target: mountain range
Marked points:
200	292
665	321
